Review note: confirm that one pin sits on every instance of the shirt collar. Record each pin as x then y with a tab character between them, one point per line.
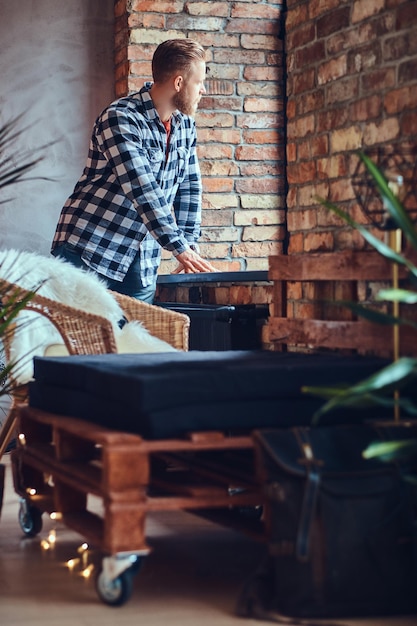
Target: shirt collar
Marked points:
149	107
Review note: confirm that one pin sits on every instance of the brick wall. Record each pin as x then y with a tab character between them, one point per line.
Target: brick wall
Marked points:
352	84
240	121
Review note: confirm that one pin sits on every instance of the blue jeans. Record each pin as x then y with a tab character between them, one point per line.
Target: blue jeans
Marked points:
131	284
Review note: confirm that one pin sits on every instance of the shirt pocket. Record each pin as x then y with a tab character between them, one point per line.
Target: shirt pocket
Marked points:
155	159
182	161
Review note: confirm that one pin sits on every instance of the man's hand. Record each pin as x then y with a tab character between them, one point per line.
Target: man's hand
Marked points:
191	262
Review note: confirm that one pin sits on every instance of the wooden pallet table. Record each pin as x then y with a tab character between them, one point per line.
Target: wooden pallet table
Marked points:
61	461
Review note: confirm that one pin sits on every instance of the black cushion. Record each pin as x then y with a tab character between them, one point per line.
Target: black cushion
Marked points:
168	394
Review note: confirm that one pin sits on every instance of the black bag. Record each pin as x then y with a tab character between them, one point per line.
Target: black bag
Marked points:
341	529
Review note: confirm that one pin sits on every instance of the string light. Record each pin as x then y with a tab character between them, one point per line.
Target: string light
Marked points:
52	537
22	439
87	571
31	491
83	550
72	563
45	545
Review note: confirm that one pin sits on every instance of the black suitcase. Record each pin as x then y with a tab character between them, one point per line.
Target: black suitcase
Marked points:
341	529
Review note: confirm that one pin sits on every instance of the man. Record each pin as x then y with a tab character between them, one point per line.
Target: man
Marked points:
141	188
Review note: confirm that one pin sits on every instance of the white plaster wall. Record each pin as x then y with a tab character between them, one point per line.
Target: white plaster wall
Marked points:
56	68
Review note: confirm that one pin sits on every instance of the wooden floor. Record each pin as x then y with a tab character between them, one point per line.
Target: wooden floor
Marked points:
192	577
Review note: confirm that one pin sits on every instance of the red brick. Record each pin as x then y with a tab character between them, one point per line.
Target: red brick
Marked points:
219	168
386	130
211	40
307	194
363	9
399	46
341	190
214	151
262	104
212	119
309	54
408	125
364	58
296	243
406	15
159	6
229	136
215	250
262	136
217	184
303	35
217	218
301	172
291	152
331	118
213	103
312	101
333	21
303	81
260	89
140	53
319	145
316	8
302	220
258	72
207	8
260	168
366	108
254	249
259	42
342	90
264	26
407	71
318	242
256	153
296	16
249	10
332	70
260	185
239	57
219	87
266	120
300	127
334	166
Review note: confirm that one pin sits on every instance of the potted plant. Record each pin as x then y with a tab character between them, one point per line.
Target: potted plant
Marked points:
384	387
14	168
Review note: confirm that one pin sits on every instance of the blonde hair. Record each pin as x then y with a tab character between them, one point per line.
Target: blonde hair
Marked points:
175	56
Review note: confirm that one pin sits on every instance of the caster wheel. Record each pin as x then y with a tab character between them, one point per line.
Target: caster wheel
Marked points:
115	592
30	520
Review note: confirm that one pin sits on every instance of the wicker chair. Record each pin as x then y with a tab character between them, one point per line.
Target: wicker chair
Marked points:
85	333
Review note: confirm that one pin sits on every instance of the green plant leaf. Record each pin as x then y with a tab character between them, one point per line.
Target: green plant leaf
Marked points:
392	204
398	295
391	450
376	243
371	391
378	317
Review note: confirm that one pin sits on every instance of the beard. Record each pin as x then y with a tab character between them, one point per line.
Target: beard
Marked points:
184	105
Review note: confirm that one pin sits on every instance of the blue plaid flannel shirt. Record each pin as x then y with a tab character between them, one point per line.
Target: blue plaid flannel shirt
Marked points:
133	196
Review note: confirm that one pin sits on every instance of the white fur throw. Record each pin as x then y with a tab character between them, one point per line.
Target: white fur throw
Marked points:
63	282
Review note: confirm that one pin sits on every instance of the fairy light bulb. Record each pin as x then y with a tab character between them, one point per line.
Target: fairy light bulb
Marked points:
45	545
72	563
87	571
52	537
